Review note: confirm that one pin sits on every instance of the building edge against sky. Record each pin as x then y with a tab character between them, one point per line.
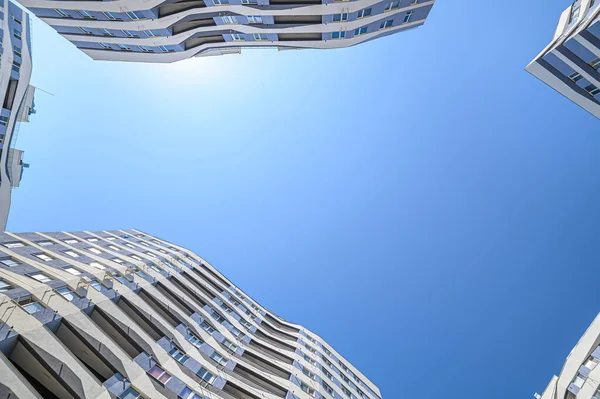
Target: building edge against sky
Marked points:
172	30
86	314
570	63
17	96
580	376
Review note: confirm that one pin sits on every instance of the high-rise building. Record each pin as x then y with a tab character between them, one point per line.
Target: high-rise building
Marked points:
123	314
580	376
570	63
167	31
17	97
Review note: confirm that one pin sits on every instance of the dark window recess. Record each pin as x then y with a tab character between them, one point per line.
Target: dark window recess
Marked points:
208	280
199	41
160	308
9	96
174	298
299	37
188	291
298	20
89	356
215	275
278	333
262	363
114	331
275	342
238	392
260	381
270	352
189	25
280	324
179	6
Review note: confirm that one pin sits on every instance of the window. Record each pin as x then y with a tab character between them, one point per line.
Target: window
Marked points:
364	13
235	37
62	13
85	14
230	345
346	392
130	245
149	33
44	243
159	374
260	36
591	363
117	260
44	257
146	49
308	359
193	339
97	265
592	90
386	24
595	63
178	355
4	286
249	2
67	294
105	46
236	332
393	5
109	238
129	33
16	244
111	16
307	389
72	254
575	76
340	17
360	31
16	66
255	19
220	2
328	374
217	317
574	13
218	358
98	286
114	248
124	47
407	17
308	373
94	250
338	35
136	257
130	393
328	389
162	251
207	327
72	270
135	15
228	19
31	306
10	262
42	278
3	120
17	51
85	31
205	375
17	34
150	254
187	393
92	239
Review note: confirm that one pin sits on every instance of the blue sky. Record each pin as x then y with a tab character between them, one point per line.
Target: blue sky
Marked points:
420	201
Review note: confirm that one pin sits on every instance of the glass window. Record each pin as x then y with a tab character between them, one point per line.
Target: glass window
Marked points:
136	257
393	5
307	389
255	19
160	374
97	265
10	262
592	90
94	250
407	17
130	393
260	36
228	19
109	238
135	15
85	31
123	47
4	286
235	37
130	245
338	35
106	32
62	13
178	355
92	239
98	286
360	31
72	253
111	16
218	358
72	270
205	375
16	244
84	14
40	277
364	13
44	243
31	306
129	33
44	257
114	248
340	17
67	294
117	260
386	24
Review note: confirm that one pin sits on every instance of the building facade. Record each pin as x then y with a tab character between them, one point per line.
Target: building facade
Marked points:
570	63
580	376
17	96
172	30
122	314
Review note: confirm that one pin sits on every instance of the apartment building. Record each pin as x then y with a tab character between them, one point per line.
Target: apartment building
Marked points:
123	314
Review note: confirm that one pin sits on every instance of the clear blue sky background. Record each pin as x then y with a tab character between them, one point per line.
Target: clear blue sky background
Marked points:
420	201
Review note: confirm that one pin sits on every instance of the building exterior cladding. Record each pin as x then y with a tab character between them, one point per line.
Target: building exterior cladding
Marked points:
580	375
570	63
17	97
167	31
122	314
